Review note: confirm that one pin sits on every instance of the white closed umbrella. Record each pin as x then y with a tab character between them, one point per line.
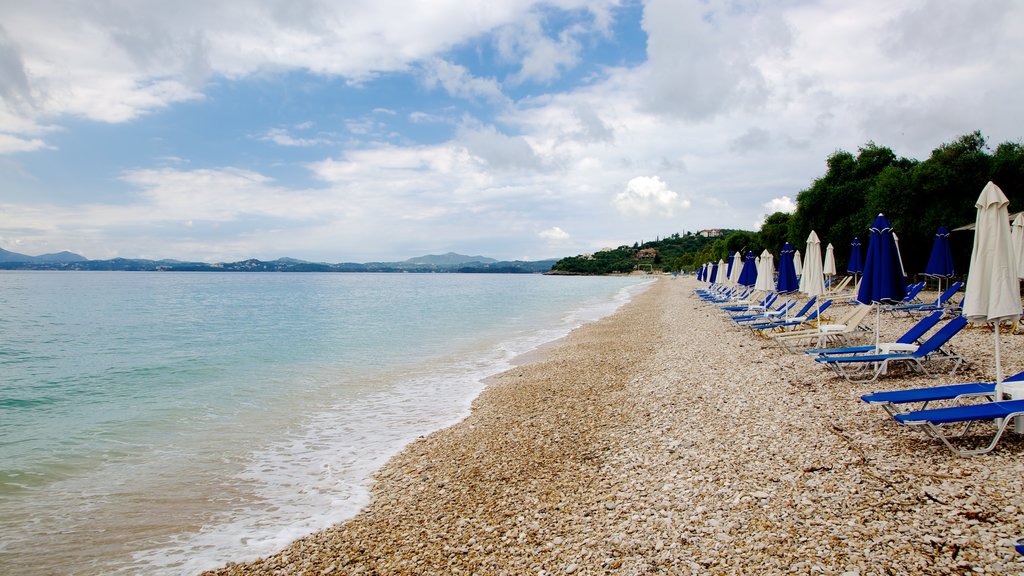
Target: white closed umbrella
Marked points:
721	277
1017	235
798	263
766	273
993	286
737	266
829	267
813	282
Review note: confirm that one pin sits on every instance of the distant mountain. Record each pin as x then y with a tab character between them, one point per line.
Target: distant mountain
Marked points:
444	263
64	256
449	259
59	257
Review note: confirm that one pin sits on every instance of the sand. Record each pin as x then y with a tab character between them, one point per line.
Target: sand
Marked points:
661	440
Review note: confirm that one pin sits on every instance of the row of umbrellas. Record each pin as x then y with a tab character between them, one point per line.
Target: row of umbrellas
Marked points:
940	261
993	280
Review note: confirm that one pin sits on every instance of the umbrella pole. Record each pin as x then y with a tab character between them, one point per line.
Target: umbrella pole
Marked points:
878	312
999	368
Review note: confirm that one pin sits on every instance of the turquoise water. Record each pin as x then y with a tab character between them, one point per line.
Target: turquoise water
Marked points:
163	423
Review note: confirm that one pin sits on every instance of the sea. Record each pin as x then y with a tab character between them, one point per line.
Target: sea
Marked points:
165	423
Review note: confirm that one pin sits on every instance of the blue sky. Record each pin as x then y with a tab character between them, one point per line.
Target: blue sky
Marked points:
358	131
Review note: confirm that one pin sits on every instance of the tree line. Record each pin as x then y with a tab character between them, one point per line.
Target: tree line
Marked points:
917	197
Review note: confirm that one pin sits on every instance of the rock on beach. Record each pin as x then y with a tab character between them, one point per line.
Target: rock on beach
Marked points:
660	440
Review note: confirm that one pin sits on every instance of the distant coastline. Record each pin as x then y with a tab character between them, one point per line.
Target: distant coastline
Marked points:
444	263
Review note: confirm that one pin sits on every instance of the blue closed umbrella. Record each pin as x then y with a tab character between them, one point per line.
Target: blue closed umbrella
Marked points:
883	277
787	271
856	263
728	266
748	274
714	272
940	262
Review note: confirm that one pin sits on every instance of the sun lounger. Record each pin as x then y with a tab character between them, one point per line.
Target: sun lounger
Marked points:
910	337
853	366
1019	546
838	331
797	320
909	298
837	288
893	400
941	304
931	421
750	306
764	315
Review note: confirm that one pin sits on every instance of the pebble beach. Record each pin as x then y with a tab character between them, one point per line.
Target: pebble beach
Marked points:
662	440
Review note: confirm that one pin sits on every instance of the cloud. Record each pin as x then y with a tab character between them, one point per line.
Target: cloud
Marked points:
282	137
540	57
703	57
500	151
781	204
10	144
754	139
457	81
645	195
554	234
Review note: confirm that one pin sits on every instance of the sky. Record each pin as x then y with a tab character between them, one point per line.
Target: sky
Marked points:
380	130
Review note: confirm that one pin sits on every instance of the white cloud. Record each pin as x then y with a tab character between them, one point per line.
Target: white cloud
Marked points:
282	137
10	143
645	195
457	81
115	61
781	204
554	234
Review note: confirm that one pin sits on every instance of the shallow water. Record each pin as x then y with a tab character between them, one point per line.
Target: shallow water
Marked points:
163	423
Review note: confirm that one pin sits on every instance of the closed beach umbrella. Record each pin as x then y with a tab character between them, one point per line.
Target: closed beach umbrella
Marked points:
993	289
856	264
748	275
813	281
940	262
734	270
766	273
883	279
798	263
714	272
1017	234
829	267
723	272
787	271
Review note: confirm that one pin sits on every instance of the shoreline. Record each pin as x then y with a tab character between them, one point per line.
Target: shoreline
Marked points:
656	439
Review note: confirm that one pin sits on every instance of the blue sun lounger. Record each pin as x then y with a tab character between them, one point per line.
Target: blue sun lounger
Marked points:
764	315
914	334
852	366
930	422
892	400
942	304
803	318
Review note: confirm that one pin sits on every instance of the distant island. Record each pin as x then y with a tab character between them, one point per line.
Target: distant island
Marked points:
449	263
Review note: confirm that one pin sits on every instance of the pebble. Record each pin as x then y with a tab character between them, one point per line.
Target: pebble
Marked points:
661	439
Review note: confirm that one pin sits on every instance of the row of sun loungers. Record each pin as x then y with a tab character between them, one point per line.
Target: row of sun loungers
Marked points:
924	345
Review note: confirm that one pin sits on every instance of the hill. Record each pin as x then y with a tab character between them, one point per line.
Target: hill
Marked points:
8	256
444	263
